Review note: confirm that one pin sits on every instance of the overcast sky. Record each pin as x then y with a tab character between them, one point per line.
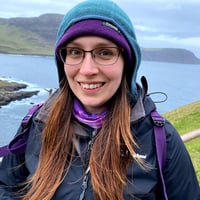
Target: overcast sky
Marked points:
158	23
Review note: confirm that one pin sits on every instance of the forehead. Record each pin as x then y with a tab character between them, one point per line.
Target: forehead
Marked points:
91	41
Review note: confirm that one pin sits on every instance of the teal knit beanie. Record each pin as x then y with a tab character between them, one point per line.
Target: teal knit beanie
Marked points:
106	11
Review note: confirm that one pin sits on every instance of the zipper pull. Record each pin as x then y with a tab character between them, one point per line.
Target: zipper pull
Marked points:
84	187
84	184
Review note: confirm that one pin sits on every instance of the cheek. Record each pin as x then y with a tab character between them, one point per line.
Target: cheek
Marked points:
118	80
69	72
116	74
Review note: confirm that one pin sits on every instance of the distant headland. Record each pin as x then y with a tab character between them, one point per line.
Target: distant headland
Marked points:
170	55
12	91
37	35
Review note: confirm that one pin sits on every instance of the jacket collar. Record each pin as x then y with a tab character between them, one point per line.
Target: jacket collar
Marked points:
138	111
141	108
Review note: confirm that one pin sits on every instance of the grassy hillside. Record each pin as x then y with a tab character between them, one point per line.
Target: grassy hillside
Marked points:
185	119
22	42
34	35
37	35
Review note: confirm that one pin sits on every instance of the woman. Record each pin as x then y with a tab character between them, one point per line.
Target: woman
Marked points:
93	138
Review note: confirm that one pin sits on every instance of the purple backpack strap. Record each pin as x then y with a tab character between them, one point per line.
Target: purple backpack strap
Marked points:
18	144
161	149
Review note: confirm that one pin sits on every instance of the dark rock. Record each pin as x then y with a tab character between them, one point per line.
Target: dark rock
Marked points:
7	97
11	91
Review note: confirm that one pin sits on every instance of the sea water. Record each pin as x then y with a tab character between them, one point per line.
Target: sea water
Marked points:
179	81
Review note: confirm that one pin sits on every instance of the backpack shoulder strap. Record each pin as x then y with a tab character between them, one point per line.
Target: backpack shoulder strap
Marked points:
18	143
161	149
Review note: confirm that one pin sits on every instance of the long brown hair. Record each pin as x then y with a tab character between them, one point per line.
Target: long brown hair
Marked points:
111	154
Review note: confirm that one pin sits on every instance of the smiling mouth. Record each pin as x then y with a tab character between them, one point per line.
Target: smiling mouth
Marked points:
91	86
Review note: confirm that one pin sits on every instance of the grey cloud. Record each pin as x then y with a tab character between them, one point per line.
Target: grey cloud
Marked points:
167	20
178	19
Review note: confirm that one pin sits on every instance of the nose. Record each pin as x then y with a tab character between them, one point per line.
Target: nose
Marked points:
88	66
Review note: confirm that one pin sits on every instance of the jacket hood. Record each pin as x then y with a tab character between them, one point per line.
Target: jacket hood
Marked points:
107	11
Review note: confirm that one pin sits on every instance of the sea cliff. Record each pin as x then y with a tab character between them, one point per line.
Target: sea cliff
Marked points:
37	36
12	91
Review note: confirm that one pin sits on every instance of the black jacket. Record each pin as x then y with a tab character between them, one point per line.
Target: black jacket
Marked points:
180	179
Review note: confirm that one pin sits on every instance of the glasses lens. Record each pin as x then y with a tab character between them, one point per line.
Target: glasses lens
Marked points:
74	56
71	55
106	55
101	56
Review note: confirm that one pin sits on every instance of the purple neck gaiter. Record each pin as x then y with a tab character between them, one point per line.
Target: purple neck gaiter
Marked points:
92	120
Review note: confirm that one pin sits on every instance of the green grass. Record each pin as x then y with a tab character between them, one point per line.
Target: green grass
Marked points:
185	119
22	43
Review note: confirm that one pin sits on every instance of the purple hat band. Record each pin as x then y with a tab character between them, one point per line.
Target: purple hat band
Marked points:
97	28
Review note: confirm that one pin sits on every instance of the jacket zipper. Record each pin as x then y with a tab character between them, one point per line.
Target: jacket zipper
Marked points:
87	169
84	184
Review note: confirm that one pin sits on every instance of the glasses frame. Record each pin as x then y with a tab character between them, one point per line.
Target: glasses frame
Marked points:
63	57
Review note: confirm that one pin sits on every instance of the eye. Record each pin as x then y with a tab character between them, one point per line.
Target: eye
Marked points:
74	52
106	53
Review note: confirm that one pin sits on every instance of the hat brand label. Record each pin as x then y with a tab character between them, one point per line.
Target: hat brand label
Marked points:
111	26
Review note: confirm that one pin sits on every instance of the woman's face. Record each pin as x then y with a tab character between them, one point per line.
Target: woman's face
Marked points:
92	83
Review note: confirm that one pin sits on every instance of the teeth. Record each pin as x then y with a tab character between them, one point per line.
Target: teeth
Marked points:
91	86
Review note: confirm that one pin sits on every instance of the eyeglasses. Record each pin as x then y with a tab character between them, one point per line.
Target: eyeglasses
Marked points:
101	56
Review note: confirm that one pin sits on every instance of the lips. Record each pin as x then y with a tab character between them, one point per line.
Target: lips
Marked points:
91	86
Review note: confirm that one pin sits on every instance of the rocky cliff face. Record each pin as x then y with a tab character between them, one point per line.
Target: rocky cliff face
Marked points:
170	55
11	91
37	36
